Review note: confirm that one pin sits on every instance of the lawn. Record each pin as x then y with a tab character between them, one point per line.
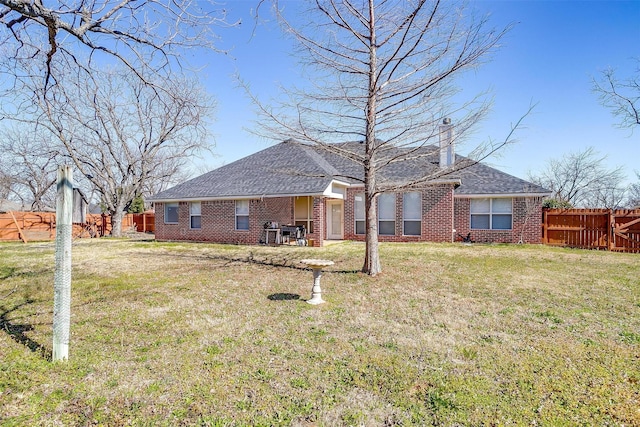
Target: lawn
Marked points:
213	335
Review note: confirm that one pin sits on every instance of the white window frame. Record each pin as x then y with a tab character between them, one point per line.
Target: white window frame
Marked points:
491	213
390	218
195	210
241	214
407	217
359	214
167	206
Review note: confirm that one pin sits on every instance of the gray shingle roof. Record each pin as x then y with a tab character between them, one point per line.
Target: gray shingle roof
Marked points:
289	168
282	169
483	179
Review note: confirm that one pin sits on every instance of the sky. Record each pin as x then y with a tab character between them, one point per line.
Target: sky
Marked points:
548	59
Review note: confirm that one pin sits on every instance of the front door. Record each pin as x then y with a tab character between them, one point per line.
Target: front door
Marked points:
335	219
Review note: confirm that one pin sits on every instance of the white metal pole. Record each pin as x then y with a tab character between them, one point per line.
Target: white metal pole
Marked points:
62	276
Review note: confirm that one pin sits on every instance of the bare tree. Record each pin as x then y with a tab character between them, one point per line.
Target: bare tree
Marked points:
6	180
145	36
581	179
6	184
621	97
168	173
633	200
120	133
382	72
612	196
30	165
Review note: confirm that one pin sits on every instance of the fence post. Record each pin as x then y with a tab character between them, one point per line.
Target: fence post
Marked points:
62	276
611	227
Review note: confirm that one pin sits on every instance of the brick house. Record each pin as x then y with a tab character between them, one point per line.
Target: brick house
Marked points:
294	184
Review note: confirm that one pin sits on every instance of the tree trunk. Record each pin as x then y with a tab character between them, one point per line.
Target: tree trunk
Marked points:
116	222
372	258
62	275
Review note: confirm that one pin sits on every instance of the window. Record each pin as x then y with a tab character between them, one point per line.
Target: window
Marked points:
242	214
412	214
387	214
491	214
195	217
359	213
171	213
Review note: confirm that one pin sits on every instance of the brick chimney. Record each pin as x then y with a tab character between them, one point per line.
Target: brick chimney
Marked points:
447	148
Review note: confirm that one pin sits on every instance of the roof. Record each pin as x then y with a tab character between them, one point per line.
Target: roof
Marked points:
290	168
282	169
480	179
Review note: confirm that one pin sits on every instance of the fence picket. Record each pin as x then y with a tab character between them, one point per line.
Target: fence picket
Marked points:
614	230
42	225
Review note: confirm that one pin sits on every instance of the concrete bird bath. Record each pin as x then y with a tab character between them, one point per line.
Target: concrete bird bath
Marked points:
316	265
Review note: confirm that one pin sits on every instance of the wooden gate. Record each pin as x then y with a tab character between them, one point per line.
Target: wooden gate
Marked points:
614	230
625	227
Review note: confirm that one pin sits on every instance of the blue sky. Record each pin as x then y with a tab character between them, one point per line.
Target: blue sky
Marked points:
548	58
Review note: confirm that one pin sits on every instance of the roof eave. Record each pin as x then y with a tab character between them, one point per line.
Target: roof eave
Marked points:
486	195
232	197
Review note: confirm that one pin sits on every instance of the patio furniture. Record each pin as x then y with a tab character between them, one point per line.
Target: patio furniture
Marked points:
295	233
276	235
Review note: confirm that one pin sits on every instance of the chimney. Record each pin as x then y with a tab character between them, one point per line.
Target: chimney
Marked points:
447	149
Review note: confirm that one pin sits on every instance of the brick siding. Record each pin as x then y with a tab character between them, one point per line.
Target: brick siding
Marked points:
218	221
526	222
437	217
441	214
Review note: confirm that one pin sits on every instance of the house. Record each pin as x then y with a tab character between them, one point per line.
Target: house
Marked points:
296	184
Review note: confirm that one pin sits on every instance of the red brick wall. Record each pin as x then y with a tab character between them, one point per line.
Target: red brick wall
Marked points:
438	205
527	222
218	221
319	221
437	217
349	214
437	214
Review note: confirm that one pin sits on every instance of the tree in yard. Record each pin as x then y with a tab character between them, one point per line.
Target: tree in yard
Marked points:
147	36
383	74
42	46
120	133
634	194
621	97
6	180
581	179
30	166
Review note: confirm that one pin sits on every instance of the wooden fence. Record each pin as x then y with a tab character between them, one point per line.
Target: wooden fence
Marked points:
145	222
614	230
27	226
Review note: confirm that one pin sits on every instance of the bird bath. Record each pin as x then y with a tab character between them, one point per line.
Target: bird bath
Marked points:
316	265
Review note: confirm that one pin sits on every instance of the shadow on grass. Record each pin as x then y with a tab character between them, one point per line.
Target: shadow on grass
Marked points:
284	297
17	331
251	259
12	272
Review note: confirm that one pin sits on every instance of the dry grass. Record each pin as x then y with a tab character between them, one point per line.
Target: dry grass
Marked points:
195	334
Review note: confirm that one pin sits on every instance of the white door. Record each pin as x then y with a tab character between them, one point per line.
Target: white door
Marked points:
335	219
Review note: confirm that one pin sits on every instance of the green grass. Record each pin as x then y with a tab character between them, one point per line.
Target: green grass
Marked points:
216	335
